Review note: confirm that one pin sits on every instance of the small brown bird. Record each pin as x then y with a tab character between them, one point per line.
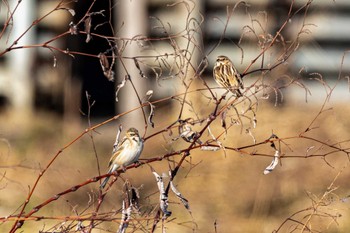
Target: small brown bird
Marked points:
127	152
226	75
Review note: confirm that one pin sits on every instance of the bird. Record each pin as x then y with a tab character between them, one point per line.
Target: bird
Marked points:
126	153
227	76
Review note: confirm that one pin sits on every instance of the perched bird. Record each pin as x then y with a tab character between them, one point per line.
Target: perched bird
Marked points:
226	75
126	153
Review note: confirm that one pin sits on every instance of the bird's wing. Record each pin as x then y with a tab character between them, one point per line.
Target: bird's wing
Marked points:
117	151
232	76
240	81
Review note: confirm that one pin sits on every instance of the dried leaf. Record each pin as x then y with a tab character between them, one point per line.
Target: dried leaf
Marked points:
87	23
103	61
126	216
163	196
139	68
248	131
309	148
223	119
210	148
109	74
106	68
73	29
120	85
255	121
71	11
179	195
149	94
151	115
54	61
187	134
135	196
216	140
117	138
273	164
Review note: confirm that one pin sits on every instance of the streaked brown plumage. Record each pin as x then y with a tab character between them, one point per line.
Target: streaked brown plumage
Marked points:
226	75
127	152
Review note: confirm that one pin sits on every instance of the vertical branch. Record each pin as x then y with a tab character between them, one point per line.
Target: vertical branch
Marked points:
128	78
90	105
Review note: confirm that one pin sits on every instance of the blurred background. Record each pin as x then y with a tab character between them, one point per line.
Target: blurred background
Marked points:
45	95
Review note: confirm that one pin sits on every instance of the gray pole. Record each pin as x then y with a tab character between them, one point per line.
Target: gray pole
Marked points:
20	61
133	16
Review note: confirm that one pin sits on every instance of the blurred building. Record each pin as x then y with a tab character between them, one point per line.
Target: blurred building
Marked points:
38	78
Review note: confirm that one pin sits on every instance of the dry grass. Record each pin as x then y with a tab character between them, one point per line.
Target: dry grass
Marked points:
227	189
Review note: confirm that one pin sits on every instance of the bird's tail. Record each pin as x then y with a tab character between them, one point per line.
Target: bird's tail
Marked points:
238	93
102	186
111	170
